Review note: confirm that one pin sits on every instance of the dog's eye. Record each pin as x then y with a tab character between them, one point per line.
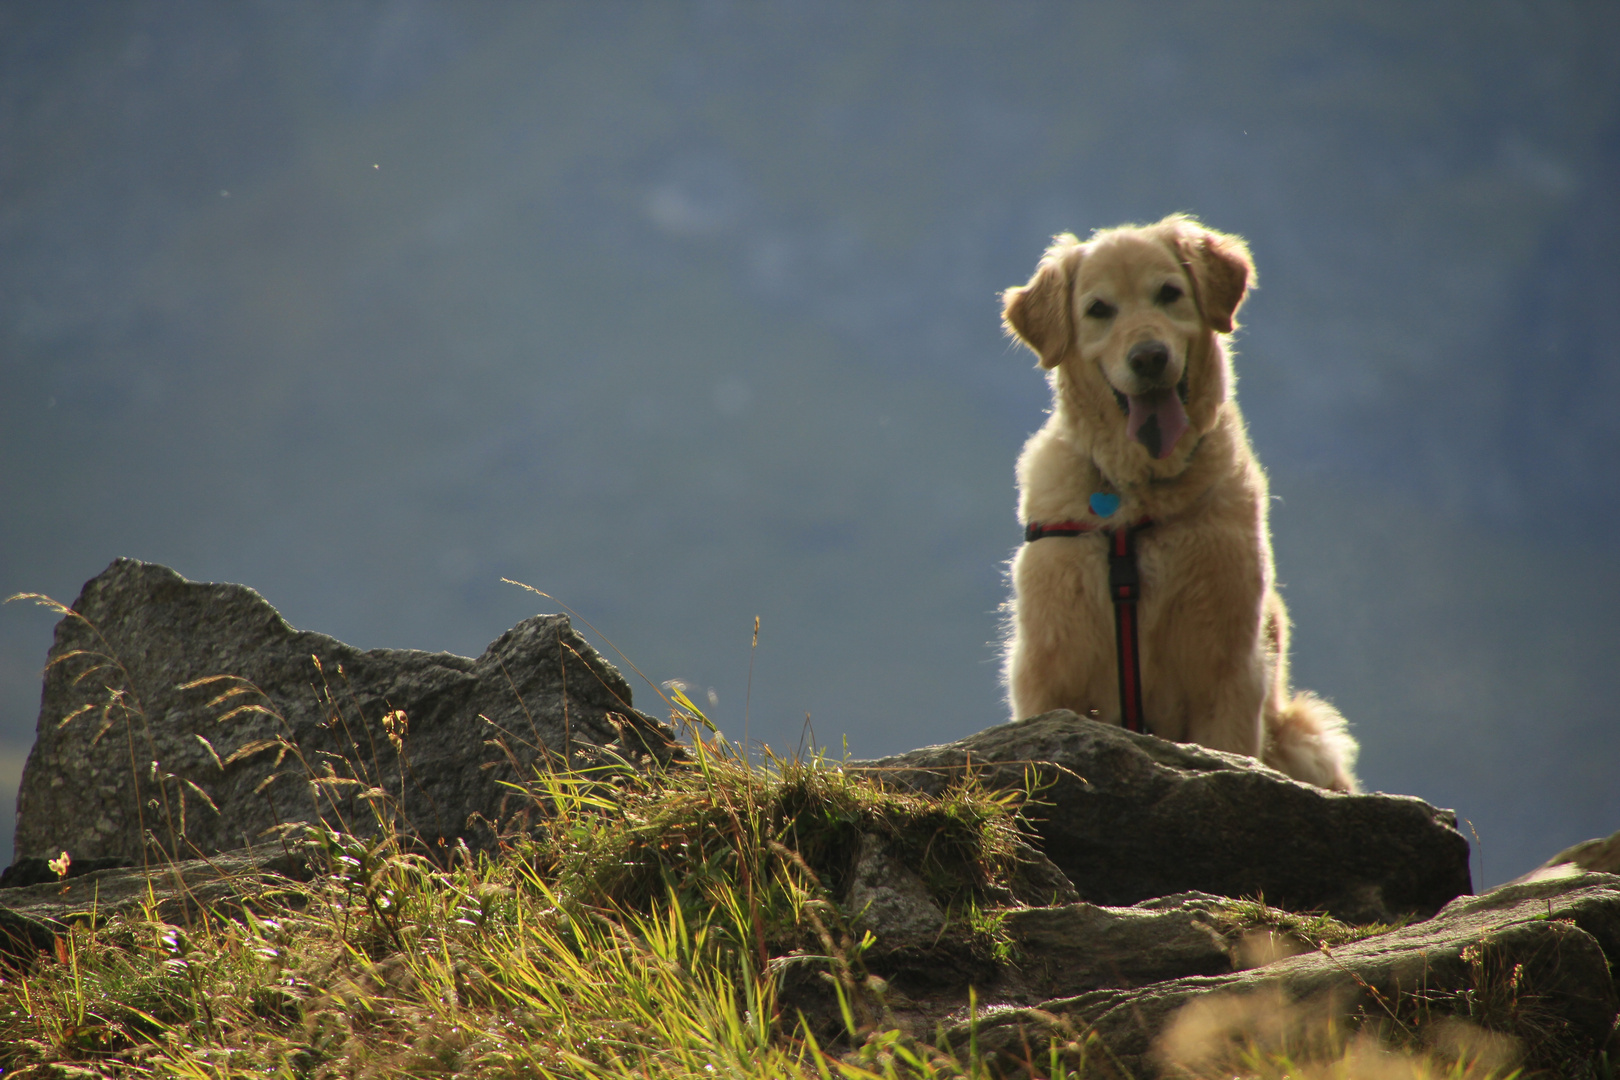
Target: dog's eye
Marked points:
1102	309
1168	294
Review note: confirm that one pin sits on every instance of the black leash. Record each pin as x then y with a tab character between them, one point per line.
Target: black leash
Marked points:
1124	588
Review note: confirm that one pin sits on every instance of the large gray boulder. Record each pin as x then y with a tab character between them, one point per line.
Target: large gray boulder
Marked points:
125	754
1129	817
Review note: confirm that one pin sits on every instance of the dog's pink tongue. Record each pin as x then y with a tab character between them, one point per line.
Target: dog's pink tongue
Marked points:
1156	420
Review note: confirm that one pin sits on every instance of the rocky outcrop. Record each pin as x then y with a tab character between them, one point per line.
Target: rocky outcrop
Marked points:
1530	962
181	718
1130	817
134	756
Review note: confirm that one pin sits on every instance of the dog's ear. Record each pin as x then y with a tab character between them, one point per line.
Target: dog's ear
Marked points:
1221	270
1038	313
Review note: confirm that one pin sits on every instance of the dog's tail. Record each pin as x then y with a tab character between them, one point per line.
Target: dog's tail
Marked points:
1310	741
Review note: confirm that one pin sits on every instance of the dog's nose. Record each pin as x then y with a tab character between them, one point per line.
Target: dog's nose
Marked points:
1148	358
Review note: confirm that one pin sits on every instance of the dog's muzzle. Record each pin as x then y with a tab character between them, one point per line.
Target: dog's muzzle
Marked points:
1157	417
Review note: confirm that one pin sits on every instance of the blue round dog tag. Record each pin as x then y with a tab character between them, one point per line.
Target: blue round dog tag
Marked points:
1103	504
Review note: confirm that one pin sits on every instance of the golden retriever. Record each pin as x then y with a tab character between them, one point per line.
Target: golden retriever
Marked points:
1131	327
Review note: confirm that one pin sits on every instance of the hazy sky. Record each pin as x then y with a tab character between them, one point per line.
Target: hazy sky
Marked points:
686	313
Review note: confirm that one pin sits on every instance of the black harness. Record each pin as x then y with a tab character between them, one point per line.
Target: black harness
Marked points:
1125	588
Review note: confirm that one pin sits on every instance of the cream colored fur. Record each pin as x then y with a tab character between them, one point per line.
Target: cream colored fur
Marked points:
1213	630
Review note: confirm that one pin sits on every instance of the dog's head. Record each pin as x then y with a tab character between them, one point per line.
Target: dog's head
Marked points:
1127	321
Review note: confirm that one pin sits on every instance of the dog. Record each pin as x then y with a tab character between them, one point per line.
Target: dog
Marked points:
1144	434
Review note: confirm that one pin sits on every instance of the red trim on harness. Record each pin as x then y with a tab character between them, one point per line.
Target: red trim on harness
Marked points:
1124	588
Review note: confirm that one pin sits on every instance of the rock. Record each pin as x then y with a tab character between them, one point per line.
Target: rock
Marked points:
22	938
125	752
175	892
1129	817
1025	955
918	946
1529	960
1072	948
1038	881
889	899
1601	855
33	916
37	871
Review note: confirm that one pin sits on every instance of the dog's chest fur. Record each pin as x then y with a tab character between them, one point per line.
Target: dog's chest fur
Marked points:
1204	566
